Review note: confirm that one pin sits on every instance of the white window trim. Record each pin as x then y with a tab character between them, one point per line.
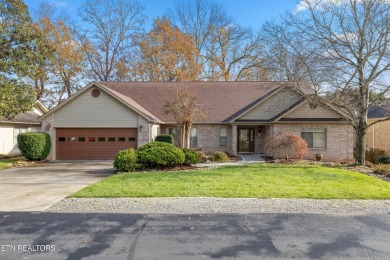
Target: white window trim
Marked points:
220	136
316	130
192	135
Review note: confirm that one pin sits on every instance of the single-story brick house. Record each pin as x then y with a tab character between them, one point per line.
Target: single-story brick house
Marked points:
23	122
378	134
105	117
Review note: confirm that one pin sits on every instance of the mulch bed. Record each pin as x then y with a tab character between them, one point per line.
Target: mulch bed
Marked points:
20	164
362	169
169	169
369	171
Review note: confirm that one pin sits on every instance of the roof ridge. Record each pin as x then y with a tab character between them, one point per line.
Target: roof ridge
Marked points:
196	81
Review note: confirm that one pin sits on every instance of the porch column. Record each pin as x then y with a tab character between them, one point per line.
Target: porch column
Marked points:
234	139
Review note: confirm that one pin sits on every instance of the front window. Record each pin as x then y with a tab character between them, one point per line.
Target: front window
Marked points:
171	131
314	137
222	137
193	137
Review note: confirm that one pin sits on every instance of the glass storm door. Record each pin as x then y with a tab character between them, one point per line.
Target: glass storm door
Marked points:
246	140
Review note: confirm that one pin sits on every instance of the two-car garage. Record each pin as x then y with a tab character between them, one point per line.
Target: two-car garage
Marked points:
93	143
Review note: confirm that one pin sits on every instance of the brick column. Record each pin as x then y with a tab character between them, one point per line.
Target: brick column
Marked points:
143	131
233	139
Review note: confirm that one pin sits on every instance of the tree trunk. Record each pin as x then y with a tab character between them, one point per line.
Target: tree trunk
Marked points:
182	135
187	136
360	141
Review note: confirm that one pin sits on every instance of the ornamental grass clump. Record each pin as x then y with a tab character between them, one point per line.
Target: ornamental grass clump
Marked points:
219	157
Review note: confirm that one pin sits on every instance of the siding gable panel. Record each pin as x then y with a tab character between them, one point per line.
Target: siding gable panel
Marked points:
304	111
273	106
87	111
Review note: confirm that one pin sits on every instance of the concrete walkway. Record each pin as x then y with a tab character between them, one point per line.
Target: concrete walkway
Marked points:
246	159
37	188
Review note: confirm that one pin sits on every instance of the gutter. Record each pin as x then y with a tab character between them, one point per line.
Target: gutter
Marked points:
19	123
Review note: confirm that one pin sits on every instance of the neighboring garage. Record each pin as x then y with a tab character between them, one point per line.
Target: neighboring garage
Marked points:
93	143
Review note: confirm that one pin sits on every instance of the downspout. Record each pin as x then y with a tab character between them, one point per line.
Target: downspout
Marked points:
373	136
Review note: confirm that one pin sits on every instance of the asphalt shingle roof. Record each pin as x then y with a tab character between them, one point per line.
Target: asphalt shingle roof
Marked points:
27	118
378	112
220	100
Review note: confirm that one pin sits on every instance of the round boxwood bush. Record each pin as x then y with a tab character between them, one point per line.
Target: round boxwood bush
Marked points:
219	157
34	146
191	157
126	160
164	138
159	155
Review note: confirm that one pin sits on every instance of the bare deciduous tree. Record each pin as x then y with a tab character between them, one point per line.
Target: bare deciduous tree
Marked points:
201	19
185	108
228	51
342	49
109	33
233	53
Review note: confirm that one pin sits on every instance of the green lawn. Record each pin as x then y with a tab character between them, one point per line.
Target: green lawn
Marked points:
5	163
254	181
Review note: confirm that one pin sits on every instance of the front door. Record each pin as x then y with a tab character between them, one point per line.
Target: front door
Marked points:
246	140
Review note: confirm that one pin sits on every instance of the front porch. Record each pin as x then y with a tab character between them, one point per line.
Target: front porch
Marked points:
249	139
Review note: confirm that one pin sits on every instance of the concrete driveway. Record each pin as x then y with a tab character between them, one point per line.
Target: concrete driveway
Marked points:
37	188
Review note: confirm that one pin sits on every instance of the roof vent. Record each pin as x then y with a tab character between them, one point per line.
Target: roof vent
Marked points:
95	93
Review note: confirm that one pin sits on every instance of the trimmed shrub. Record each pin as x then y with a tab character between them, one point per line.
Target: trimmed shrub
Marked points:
164	138
372	155
159	155
286	145
126	160
191	157
219	157
154	144
34	146
383	160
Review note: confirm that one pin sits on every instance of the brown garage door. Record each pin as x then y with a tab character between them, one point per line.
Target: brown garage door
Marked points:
93	143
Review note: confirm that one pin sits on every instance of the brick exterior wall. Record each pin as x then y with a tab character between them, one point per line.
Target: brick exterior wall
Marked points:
259	139
339	138
378	136
144	132
208	137
233	140
49	120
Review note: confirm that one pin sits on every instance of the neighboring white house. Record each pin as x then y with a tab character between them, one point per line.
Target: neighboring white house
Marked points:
23	122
